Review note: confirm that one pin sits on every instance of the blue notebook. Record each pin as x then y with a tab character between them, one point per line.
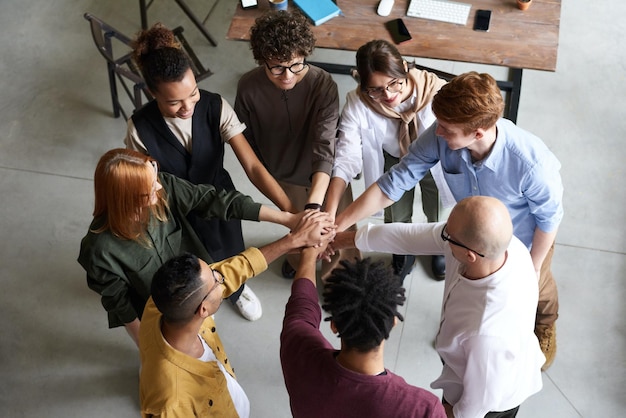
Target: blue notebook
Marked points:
319	11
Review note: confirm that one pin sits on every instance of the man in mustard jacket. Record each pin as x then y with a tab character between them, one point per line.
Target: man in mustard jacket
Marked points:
185	371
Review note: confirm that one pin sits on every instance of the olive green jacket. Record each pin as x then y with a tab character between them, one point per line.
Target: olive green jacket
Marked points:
121	270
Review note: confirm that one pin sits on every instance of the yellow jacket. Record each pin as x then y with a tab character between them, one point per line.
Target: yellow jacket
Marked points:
173	384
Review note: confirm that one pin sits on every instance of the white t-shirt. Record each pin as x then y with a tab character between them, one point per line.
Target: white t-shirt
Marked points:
237	394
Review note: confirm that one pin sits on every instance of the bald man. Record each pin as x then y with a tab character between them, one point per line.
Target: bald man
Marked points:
486	340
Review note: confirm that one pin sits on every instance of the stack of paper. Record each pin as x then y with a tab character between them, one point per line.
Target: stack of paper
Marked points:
319	11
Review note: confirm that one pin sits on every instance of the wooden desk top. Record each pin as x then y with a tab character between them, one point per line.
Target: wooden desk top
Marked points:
515	39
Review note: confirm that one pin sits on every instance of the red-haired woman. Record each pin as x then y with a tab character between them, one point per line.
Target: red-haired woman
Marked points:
140	221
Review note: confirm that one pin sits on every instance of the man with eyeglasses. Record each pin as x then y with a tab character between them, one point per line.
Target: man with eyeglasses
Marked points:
491	356
185	370
482	153
291	111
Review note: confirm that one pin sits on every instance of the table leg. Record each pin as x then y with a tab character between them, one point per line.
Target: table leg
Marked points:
196	22
143	12
515	74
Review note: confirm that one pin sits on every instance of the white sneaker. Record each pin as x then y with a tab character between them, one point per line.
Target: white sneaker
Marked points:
249	305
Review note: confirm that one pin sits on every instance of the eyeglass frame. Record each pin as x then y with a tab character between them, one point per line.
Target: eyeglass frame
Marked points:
155	165
458	244
217	283
284	68
380	91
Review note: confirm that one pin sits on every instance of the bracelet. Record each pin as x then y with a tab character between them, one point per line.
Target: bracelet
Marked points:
315	206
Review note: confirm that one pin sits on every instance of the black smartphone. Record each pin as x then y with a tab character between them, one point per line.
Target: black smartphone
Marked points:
483	17
399	32
249	4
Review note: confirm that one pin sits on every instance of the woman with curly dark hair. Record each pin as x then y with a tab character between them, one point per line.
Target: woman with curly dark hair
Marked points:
184	128
291	111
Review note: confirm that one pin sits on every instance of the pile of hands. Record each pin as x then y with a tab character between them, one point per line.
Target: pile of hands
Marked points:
314	230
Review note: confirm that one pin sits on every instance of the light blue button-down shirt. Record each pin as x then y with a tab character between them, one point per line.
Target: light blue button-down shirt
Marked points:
520	170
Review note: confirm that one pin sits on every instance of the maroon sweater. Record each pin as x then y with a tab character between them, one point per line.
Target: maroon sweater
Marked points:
319	387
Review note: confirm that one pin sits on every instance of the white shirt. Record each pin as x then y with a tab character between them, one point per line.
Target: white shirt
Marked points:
237	394
486	335
363	134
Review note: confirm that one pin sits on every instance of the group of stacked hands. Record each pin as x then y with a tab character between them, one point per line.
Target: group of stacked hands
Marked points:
166	210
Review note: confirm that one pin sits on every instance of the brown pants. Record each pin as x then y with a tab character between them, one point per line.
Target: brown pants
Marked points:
548	306
299	196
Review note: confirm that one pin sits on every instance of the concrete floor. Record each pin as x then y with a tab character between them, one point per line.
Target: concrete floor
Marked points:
58	359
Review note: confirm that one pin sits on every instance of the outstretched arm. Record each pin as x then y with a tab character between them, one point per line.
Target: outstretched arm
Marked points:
258	174
370	202
306	268
288	219
314	229
319	185
343	240
335	191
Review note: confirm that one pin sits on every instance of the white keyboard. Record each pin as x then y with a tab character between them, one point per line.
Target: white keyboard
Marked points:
444	11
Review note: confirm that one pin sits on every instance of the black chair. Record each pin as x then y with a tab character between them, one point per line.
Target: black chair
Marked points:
122	68
143	11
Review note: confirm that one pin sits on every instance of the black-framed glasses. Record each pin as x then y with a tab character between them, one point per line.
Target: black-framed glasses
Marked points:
394	86
296	68
446	237
219	279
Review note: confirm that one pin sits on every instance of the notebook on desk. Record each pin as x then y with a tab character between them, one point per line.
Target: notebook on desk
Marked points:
319	11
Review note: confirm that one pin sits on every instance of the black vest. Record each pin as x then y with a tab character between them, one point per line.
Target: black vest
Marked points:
205	164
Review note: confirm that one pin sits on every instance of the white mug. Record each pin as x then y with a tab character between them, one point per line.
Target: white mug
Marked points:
278	4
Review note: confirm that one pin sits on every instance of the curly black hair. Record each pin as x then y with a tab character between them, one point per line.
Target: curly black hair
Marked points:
281	35
362	298
160	56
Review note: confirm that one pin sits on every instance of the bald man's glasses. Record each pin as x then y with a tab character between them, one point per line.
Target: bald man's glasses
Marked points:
446	237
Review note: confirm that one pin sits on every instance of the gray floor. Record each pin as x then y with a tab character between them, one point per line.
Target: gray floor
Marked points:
60	360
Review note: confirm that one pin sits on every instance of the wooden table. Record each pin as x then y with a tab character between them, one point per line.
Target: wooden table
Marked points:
517	40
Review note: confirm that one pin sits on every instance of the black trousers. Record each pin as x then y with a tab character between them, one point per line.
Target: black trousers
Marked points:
511	413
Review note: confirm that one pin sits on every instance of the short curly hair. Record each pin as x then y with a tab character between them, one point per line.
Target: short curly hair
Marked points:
362	298
281	35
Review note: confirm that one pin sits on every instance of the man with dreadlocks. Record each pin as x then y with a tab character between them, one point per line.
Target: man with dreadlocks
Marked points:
362	298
